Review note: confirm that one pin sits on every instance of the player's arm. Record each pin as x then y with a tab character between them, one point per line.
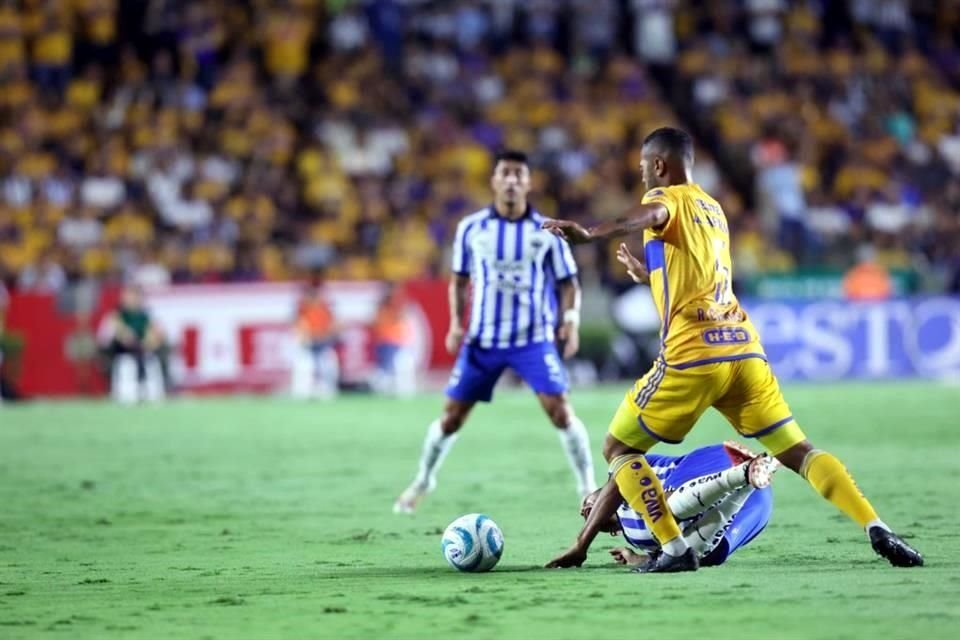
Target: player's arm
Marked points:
300	329
153	338
459	284
107	329
458	292
569	332
603	509
651	215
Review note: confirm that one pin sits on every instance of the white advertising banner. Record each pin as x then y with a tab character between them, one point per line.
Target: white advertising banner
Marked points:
240	337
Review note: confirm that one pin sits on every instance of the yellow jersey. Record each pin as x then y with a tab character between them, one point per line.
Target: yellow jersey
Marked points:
688	258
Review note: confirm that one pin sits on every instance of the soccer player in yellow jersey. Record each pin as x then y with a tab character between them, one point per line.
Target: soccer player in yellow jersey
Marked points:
710	356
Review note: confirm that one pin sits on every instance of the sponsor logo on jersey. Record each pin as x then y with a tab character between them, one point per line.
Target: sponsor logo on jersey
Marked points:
725	335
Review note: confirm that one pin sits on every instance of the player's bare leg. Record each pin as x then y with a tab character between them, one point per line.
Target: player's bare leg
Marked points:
441	434
830	478
574	438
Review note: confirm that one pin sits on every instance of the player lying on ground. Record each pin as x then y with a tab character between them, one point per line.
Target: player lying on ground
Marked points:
515	268
710	355
720	496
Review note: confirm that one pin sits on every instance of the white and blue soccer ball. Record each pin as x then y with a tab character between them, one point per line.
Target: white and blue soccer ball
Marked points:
472	543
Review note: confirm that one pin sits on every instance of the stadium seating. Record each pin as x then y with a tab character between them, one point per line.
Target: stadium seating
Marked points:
236	141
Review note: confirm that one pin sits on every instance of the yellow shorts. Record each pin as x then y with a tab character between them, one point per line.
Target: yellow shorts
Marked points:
665	404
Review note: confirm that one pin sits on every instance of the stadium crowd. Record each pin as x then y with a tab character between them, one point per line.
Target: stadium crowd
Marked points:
227	140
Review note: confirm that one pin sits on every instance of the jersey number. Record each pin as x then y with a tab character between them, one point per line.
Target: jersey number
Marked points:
721	289
554	368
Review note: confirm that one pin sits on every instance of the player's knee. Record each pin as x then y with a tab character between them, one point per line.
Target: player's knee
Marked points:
793	457
454	415
451	422
557	408
613	448
560	415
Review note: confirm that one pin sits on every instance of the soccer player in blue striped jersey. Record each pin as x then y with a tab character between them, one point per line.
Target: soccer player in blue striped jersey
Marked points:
519	273
719	494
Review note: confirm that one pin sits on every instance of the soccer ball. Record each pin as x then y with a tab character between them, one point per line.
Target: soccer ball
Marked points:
472	543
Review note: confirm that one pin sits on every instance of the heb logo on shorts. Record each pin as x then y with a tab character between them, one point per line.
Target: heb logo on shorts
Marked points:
725	335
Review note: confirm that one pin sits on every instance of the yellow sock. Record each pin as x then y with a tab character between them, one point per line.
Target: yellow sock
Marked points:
642	490
830	478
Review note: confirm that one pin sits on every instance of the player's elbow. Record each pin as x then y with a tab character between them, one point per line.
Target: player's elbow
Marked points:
659	216
569	285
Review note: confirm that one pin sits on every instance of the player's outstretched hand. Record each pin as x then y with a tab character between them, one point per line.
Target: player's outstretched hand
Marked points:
625	556
637	270
572	557
568	230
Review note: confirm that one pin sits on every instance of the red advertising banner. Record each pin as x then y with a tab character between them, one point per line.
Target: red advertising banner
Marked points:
224	337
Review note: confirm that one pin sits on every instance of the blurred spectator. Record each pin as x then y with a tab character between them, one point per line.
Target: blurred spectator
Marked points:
316	368
654	34
223	141
764	19
101	190
52	48
348	31
150	272
132	343
867	281
82	231
286	32
780	195
949	147
392	336
46	276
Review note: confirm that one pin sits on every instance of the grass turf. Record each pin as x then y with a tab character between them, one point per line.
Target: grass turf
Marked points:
261	518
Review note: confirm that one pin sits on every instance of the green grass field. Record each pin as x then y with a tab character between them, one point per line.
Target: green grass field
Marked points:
263	518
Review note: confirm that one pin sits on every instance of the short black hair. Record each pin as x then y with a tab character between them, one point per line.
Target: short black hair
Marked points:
671	141
510	155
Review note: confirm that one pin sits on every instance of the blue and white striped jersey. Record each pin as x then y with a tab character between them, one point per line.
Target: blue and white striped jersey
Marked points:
514	267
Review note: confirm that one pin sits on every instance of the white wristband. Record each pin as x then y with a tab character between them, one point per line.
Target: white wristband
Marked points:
572	316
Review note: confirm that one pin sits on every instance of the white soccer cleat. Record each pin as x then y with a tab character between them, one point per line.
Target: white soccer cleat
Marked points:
737	452
760	471
411	496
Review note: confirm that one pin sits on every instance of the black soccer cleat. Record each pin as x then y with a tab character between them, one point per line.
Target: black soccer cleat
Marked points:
665	563
897	552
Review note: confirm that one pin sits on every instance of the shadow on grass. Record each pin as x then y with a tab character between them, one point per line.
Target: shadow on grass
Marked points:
341	573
